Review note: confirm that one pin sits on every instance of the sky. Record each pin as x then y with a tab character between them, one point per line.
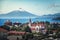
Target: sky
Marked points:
37	7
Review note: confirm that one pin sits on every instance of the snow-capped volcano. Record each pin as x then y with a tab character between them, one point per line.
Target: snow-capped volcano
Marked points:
18	14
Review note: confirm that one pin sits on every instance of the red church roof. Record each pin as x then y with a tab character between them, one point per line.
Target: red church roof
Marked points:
35	24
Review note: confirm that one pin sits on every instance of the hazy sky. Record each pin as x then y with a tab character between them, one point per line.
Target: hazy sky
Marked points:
38	7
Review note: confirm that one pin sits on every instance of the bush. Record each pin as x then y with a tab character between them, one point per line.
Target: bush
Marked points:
27	29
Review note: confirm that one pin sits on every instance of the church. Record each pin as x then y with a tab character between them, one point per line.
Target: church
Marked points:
37	27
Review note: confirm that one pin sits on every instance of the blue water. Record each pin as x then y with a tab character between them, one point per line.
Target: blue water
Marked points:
2	21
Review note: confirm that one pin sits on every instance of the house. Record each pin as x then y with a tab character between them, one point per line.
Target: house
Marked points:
16	24
8	23
37	27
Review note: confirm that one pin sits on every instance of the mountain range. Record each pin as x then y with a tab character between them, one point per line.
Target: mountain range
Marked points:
25	14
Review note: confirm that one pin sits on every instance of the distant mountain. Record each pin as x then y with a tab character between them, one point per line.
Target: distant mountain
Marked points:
49	17
53	15
57	18
18	14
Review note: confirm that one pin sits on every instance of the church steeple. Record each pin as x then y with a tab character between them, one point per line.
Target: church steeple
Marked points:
30	22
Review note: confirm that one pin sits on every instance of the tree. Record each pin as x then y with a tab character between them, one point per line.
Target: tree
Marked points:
47	22
13	28
27	29
6	27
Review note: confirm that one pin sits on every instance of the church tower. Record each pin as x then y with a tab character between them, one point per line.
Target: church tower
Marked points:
30	22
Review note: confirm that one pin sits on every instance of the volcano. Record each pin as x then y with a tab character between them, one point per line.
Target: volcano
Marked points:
18	14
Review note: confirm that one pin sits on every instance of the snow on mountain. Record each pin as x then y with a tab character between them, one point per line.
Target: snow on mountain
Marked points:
18	14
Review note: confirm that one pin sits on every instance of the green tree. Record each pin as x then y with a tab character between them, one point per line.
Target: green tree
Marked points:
27	29
6	27
13	28
48	23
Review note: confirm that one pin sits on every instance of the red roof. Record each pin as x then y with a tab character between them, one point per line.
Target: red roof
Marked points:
33	24
32	28
37	24
16	32
3	30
